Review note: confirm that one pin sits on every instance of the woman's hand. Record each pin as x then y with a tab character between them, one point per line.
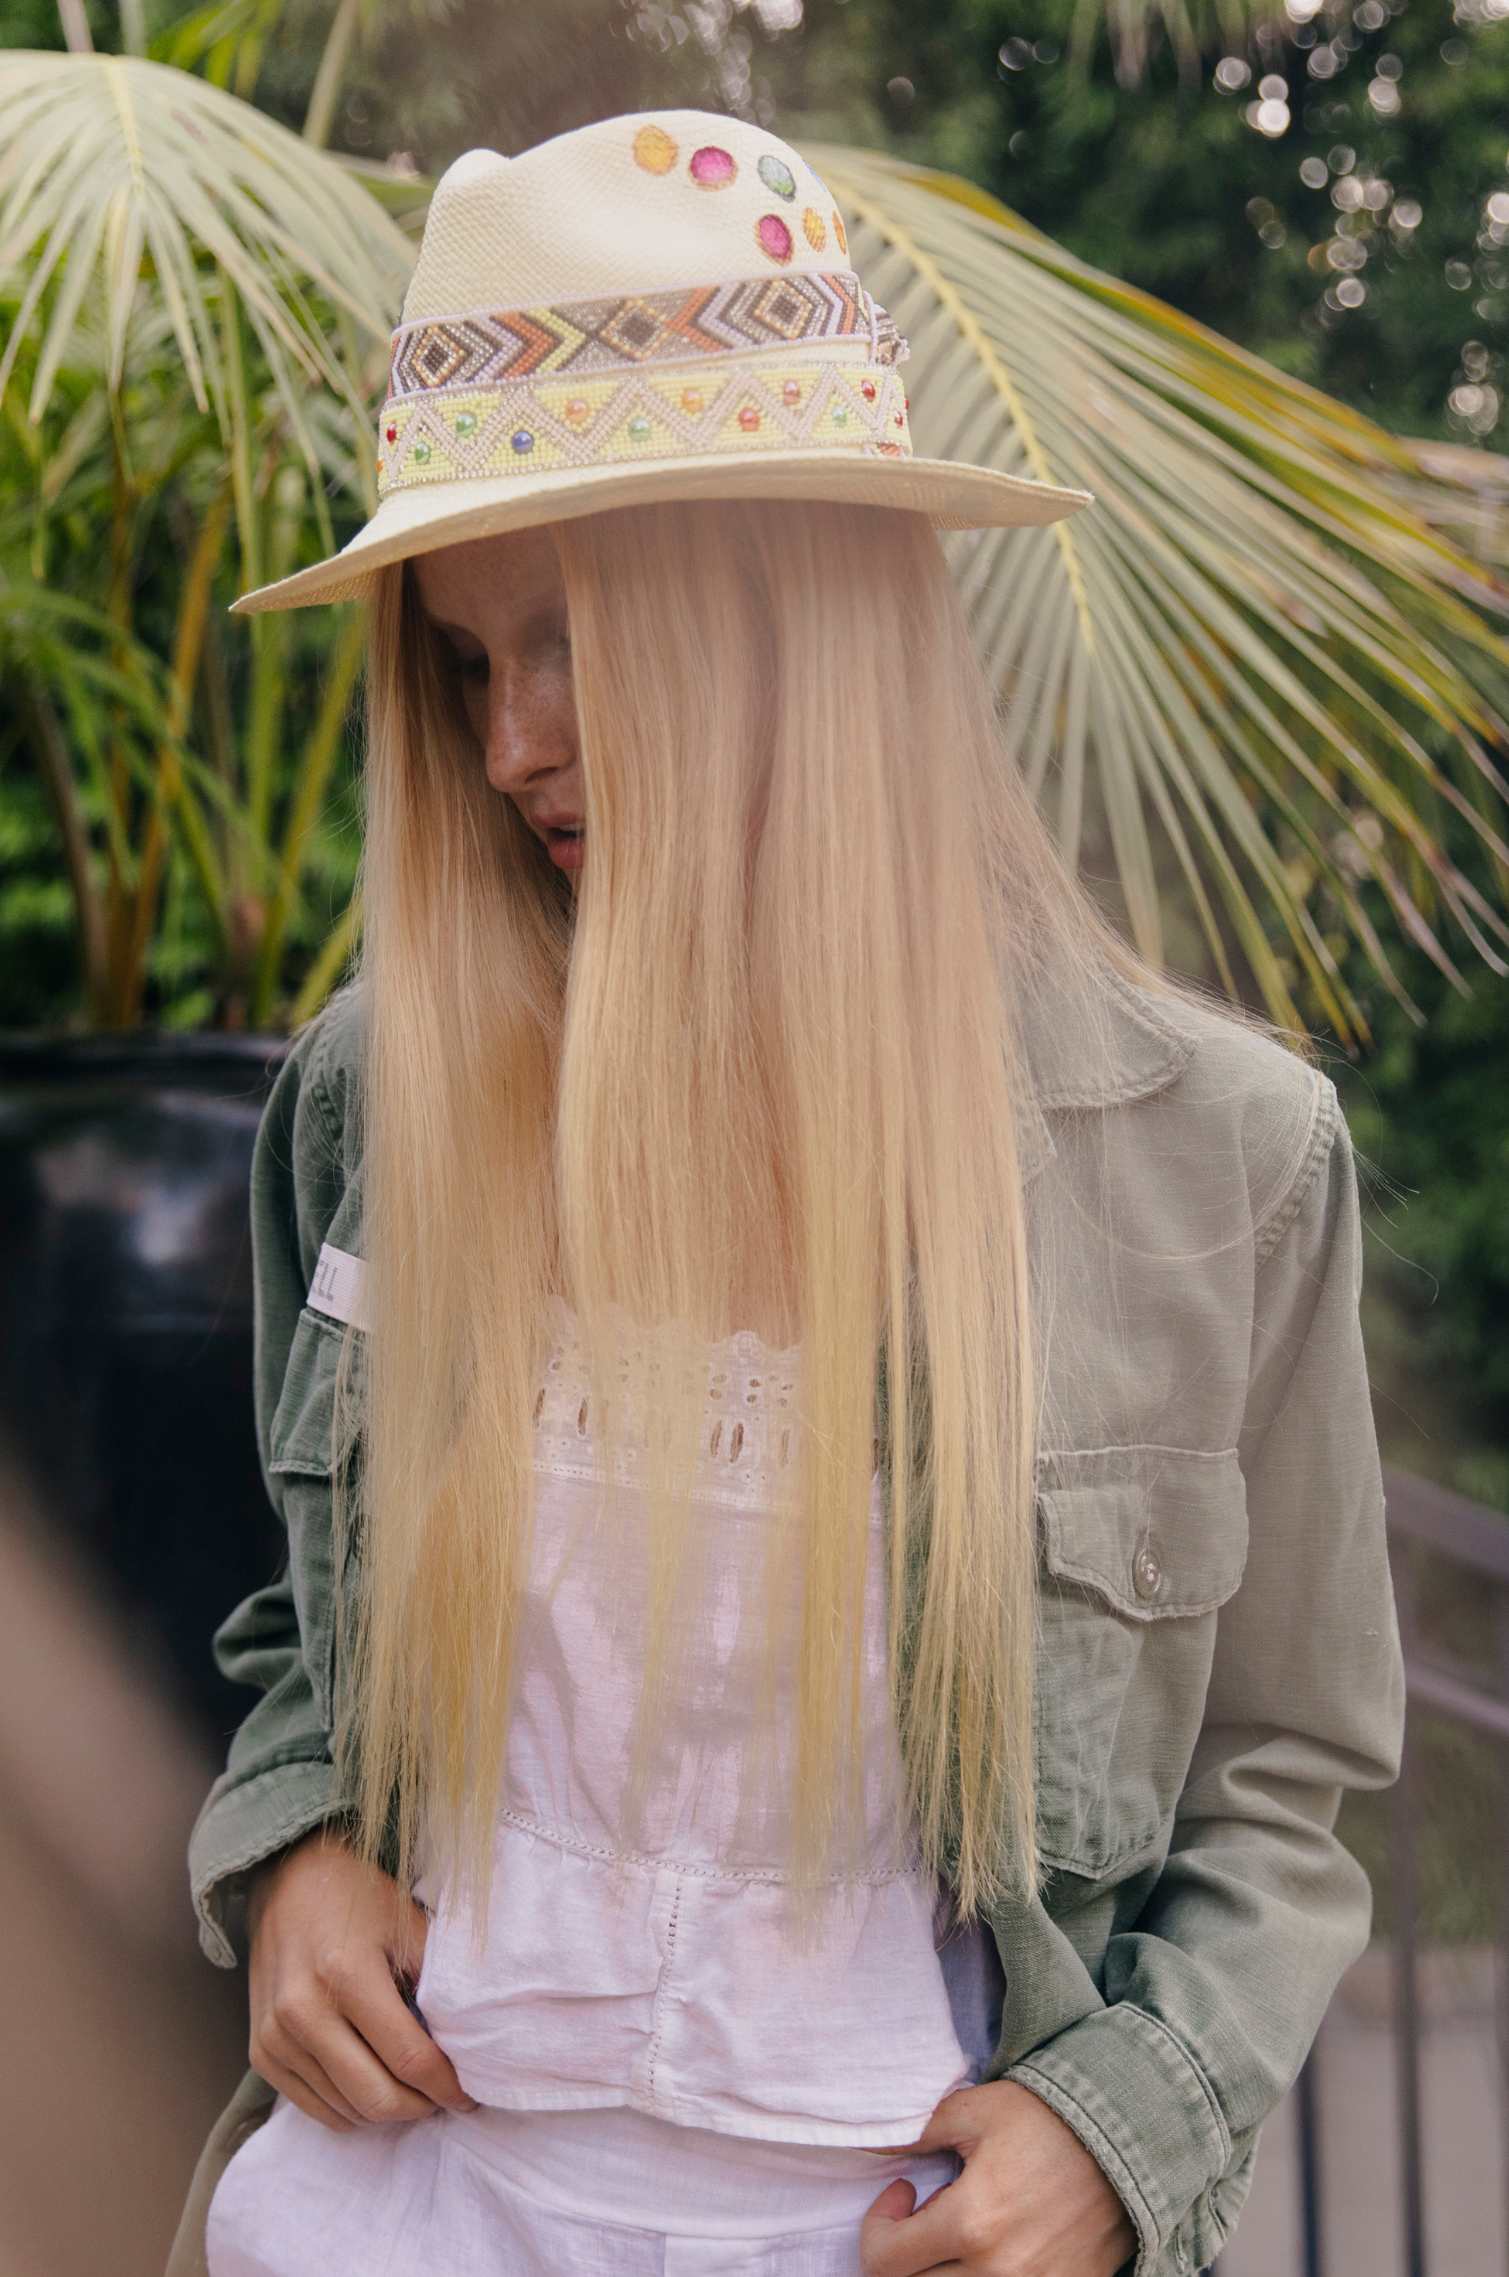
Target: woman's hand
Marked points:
1031	2201
329	2027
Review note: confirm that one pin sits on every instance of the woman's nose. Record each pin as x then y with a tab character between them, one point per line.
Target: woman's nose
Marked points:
525	747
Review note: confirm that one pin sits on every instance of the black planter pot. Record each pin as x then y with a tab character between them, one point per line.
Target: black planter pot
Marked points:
126	1327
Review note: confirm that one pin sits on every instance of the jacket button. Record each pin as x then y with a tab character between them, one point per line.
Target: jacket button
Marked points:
1147	1573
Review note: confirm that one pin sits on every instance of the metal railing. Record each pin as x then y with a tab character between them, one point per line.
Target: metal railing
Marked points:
1428	1525
1429	1521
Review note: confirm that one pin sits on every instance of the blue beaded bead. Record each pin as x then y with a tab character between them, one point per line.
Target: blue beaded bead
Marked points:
522	439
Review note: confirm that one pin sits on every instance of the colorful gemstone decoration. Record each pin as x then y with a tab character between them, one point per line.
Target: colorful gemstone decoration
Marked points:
773	236
575	411
465	422
379	466
711	168
421	452
792	391
749	418
639	428
691	399
840	415
392	434
867	390
777	175
813	229
522	440
839	231
654	150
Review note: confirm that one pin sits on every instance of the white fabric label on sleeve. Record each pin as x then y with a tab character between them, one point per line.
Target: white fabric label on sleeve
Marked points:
339	1286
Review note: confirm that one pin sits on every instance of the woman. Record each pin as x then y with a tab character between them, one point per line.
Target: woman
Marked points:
836	1561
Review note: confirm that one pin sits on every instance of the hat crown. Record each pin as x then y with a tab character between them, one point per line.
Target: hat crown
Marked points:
644	202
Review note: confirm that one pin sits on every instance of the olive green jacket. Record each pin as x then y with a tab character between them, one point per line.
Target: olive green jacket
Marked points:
1220	1659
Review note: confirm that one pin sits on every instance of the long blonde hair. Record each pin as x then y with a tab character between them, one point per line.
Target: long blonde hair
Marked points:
763	1071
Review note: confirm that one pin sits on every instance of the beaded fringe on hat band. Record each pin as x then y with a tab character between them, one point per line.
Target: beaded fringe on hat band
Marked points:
606	382
525	425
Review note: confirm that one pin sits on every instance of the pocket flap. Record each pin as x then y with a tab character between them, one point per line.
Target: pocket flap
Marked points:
1155	1530
301	1435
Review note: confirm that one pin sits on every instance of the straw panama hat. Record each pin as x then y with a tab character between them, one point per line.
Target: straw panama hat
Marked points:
658	305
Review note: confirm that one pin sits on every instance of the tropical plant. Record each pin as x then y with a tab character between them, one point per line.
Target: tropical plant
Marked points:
1262	639
201	302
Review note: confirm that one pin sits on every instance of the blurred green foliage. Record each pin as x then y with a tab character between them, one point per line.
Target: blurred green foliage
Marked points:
1169	186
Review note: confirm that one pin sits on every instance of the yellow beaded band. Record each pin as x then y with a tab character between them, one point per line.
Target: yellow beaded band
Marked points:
525	425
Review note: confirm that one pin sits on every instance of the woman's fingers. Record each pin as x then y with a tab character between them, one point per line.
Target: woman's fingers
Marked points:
390	2028
311	2088
317	2025
330	2027
316	2040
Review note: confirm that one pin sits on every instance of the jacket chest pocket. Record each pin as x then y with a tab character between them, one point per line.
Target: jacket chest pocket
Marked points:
1138	1548
301	1457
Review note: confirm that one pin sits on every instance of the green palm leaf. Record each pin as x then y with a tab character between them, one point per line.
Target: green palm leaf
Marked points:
1266	646
105	159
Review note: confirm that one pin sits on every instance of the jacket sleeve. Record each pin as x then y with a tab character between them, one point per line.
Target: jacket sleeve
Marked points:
279	1779
1217	1989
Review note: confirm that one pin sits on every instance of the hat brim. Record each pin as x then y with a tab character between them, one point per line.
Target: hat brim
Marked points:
417	520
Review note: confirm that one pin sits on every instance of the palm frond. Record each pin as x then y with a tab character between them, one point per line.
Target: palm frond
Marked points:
119	175
1266	648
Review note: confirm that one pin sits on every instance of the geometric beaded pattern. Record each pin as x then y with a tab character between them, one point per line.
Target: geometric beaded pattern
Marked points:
750	403
484	346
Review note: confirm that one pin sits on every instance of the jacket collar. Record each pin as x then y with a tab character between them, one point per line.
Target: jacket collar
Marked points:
1147	1042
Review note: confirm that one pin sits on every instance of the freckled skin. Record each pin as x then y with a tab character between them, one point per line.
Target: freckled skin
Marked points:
500	605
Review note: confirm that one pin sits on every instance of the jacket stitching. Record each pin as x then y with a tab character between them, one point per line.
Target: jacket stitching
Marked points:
1180	1042
278	1759
320	1077
208	1901
1212	2102
1325	1116
1054	2092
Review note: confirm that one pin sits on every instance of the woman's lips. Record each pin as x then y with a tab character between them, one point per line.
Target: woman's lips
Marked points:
565	850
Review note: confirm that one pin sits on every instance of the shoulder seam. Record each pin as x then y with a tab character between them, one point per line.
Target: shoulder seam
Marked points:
1325	1118
319	1076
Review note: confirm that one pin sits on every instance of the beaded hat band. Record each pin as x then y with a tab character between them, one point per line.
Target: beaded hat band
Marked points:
653	306
770	362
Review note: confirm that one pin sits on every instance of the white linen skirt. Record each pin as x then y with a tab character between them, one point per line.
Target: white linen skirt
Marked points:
592	2193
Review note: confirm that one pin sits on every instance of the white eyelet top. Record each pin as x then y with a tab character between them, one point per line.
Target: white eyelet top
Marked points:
658	1970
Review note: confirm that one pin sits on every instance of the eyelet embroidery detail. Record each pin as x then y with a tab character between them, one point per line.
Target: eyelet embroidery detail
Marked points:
746	1453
